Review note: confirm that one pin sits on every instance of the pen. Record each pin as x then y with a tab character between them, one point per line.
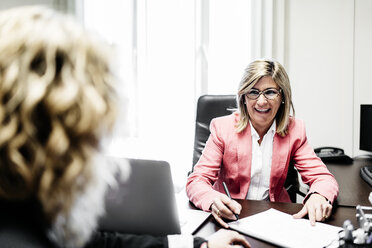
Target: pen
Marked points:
228	194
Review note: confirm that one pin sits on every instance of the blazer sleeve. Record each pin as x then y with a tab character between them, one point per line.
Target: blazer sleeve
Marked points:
311	168
101	239
119	240
199	186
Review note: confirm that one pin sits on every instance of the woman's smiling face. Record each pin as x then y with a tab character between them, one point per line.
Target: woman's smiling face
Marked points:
263	111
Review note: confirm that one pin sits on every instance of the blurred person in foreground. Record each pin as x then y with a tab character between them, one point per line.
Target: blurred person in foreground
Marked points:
252	149
57	101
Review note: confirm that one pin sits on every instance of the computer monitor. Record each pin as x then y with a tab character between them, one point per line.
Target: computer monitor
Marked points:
365	127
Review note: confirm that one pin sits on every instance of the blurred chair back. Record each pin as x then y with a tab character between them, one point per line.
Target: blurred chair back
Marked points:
212	106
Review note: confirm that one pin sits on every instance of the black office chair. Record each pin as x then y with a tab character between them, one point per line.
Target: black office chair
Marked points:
211	106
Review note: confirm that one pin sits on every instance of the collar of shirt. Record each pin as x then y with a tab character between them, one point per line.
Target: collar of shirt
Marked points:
255	135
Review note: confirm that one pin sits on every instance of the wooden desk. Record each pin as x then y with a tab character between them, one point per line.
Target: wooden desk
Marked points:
353	189
250	207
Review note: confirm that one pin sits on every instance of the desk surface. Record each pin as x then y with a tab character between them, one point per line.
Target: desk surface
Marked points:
353	189
250	207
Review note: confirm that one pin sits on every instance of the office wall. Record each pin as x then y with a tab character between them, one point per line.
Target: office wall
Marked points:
327	55
362	63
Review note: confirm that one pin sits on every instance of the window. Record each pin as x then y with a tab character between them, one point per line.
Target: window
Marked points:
170	53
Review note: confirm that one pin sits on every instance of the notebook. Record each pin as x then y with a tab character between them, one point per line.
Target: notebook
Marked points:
145	203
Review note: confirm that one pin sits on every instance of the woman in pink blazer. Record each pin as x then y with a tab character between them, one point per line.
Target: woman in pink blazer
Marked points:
251	149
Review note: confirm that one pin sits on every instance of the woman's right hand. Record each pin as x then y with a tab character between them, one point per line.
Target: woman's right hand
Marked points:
224	207
226	238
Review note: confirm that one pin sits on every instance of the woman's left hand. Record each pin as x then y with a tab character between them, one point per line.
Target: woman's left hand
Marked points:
316	207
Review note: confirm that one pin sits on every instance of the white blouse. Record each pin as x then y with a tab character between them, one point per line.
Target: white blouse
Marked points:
261	164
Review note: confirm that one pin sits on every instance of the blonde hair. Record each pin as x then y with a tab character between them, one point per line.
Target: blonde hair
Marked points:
253	73
56	102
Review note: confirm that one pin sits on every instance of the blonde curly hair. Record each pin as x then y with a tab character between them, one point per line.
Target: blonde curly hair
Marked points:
56	102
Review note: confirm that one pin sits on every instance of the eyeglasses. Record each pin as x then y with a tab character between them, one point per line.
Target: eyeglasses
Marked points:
269	94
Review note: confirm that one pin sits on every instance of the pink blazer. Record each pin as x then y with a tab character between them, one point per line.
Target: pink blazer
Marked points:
227	157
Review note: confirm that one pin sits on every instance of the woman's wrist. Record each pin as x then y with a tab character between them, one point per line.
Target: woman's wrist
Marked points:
308	196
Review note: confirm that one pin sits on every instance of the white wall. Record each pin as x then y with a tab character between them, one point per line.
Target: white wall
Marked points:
362	63
327	55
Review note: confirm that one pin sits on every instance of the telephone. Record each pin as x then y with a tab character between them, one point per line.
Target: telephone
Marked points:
332	154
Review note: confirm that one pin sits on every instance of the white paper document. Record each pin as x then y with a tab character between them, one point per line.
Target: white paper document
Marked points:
282	229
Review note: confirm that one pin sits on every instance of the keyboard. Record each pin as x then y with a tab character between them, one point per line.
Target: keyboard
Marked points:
366	174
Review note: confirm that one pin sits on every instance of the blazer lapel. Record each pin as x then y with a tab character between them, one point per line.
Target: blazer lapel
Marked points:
278	164
245	158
